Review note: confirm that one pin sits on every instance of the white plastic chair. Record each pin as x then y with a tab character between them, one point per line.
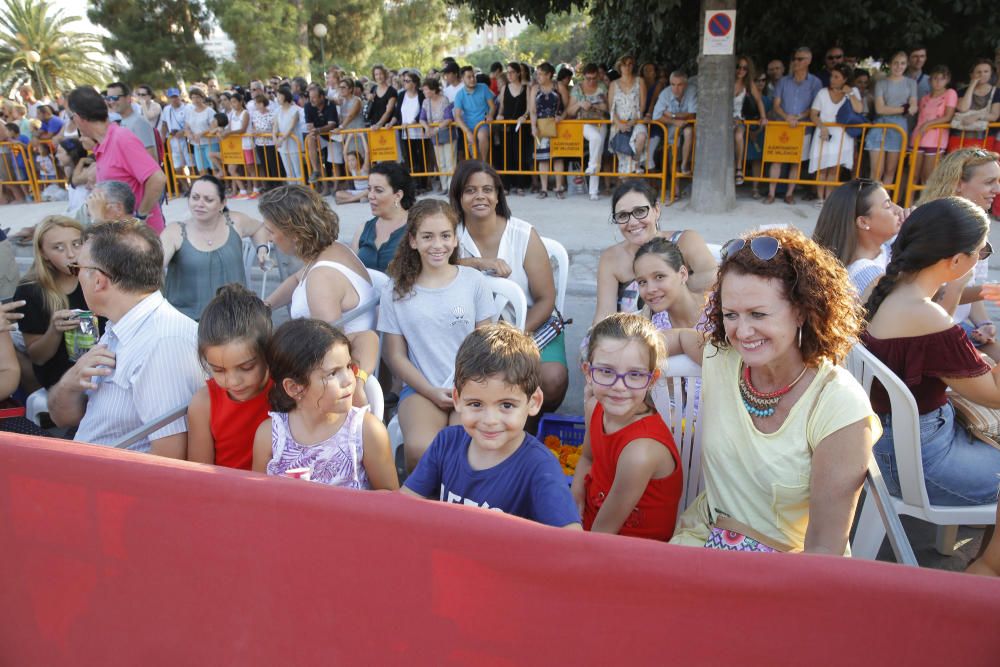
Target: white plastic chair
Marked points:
865	367
376	399
37	403
379	280
676	401
507	292
557	253
716	250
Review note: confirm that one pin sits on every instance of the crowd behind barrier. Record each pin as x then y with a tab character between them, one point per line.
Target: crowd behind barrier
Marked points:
422	152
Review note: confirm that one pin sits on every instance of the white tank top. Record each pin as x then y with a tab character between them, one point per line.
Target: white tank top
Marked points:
299	307
513	249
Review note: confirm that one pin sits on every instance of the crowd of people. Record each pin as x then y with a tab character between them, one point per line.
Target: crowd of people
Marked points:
787	432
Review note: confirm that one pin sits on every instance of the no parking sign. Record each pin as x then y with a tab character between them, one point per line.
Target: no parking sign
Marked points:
720	29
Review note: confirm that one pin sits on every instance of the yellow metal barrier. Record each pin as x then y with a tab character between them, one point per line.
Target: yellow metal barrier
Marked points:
17	169
267	167
567	148
794	147
953	140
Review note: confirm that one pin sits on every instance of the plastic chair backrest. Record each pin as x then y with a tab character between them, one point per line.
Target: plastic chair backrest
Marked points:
376	399
379	280
676	396
557	253
508	292
866	367
716	250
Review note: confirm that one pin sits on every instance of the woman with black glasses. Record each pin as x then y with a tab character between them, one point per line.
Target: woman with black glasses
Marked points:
786	432
636	214
921	343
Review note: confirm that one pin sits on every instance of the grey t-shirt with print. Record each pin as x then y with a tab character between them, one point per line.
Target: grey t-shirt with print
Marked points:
434	322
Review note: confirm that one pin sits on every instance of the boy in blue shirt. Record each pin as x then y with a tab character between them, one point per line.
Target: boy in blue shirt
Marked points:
474	104
489	461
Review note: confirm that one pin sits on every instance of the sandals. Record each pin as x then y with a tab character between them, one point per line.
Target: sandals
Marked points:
542	194
739	177
756	194
769	200
789	199
561	193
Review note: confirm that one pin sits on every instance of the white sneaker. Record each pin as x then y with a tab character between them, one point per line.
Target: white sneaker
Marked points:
594	197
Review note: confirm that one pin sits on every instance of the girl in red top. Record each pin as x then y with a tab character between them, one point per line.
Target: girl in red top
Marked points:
628	480
224	414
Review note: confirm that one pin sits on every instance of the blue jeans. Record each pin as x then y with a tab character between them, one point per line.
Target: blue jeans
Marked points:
958	469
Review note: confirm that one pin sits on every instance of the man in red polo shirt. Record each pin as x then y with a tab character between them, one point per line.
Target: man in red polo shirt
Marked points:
120	155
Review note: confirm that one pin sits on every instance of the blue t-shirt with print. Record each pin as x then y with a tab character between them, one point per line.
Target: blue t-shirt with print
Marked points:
474	105
529	483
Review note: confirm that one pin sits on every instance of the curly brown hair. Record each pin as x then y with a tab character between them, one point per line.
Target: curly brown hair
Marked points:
815	283
405	267
300	213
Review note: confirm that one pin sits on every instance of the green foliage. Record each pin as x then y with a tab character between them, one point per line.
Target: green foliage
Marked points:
156	38
66	58
486	56
563	39
270	37
354	30
668	31
418	33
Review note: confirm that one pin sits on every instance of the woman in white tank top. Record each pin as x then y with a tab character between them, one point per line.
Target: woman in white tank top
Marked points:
333	281
492	240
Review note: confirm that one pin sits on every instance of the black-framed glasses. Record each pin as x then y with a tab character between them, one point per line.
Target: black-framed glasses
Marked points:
764	248
74	269
608	377
639	213
112	98
985	251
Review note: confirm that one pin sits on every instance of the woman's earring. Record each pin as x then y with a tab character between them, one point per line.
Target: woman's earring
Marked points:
396	203
800	338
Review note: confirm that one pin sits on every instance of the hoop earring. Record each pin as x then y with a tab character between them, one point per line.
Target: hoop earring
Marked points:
800	338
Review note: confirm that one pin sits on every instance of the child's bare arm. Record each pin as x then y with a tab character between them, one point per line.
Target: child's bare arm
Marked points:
201	445
262	446
637	464
377	457
690	342
586	460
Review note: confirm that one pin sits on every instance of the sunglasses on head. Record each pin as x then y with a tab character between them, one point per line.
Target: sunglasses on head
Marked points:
764	248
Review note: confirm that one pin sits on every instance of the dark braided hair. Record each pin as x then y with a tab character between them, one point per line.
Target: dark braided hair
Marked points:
937	230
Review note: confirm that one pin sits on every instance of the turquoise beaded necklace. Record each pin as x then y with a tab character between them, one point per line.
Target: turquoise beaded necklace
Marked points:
758	403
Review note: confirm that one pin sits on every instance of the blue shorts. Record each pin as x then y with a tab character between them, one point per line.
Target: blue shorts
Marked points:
201	152
958	469
406	392
893	140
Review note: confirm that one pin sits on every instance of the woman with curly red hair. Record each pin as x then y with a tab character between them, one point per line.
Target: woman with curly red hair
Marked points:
786	433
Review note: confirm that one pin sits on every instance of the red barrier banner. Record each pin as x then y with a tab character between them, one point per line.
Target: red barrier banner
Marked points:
116	558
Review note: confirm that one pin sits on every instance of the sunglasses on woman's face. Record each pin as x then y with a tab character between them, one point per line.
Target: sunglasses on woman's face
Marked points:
764	248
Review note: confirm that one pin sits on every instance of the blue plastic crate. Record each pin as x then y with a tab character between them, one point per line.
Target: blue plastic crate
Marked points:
570	429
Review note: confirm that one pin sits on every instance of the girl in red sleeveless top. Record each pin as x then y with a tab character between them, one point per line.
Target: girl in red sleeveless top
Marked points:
628	480
224	414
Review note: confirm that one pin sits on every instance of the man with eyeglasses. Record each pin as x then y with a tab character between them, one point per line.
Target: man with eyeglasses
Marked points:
119	154
834	57
146	361
793	98
119	99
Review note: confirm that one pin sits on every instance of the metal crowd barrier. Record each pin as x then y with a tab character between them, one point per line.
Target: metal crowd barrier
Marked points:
798	164
569	147
17	168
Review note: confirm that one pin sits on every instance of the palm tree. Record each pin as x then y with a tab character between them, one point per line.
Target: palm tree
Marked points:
36	45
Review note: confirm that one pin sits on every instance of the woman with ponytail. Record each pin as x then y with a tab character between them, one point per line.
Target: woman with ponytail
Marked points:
918	340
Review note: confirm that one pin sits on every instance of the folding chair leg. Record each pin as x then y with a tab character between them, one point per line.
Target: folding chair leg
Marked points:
947	536
870	532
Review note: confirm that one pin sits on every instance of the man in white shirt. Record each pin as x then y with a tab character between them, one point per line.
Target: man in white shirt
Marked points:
146	363
452	81
173	122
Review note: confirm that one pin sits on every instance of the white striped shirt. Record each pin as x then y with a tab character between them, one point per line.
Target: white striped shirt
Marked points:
156	370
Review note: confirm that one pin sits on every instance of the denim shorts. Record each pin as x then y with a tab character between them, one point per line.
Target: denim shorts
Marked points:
959	470
893	140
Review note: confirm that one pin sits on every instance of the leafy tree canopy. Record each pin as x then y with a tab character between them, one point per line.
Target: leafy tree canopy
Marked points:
954	31
65	58
156	37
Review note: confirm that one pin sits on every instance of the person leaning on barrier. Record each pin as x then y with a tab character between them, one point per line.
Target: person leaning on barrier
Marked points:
675	108
793	98
145	363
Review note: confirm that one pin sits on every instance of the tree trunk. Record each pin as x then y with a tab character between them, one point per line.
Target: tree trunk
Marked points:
714	190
